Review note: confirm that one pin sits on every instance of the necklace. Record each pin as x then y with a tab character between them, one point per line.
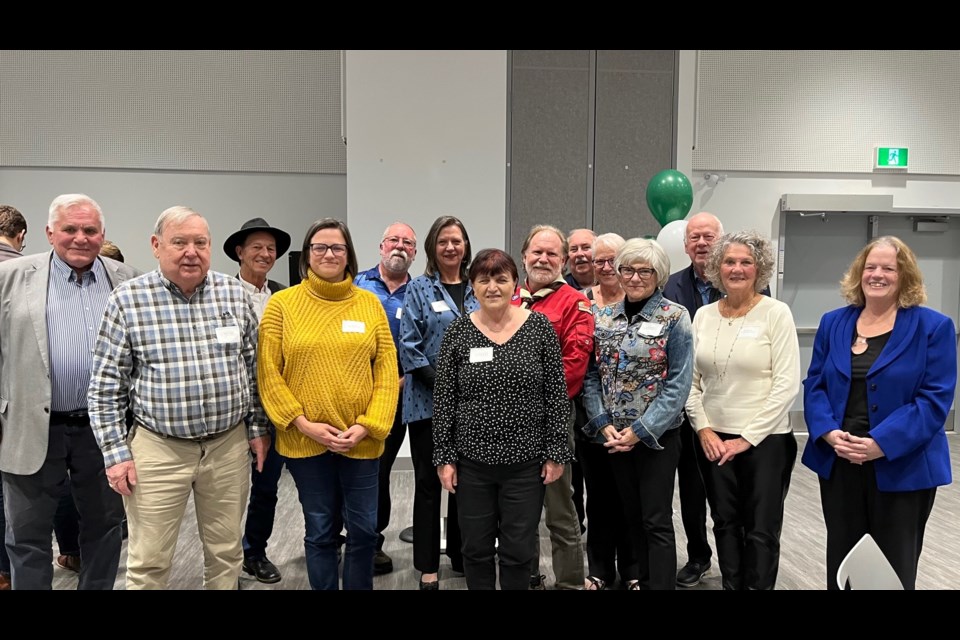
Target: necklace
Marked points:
730	319
721	374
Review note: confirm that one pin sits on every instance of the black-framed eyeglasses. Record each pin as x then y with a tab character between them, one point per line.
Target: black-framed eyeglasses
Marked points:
628	272
599	263
319	249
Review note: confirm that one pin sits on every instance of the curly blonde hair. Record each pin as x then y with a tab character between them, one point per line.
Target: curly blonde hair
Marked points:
911	292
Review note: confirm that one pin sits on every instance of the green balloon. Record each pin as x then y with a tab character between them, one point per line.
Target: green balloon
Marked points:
669	196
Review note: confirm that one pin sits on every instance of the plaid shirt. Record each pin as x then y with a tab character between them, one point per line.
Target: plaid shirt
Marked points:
186	367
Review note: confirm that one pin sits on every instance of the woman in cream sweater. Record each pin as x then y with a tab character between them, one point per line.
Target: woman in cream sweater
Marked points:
745	379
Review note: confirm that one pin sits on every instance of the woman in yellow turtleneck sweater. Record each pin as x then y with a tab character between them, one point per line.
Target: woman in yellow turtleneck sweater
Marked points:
327	372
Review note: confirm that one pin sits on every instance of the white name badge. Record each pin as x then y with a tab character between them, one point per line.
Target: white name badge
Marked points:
481	354
399	312
228	335
440	306
353	326
650	329
750	331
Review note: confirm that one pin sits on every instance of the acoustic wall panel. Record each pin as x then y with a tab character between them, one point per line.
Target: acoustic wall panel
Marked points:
244	111
823	111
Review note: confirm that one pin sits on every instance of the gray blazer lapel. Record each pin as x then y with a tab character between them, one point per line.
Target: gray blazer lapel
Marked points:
35	287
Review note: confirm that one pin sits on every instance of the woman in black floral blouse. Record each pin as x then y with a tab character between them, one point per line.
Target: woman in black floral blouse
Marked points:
499	424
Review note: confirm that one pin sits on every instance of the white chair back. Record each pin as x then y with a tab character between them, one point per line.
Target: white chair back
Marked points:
866	568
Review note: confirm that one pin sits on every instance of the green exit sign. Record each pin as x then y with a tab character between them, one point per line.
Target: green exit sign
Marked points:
892	157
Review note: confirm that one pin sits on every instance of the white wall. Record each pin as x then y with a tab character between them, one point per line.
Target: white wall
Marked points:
751	200
426	136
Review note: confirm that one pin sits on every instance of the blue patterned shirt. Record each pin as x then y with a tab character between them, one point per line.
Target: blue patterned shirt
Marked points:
186	366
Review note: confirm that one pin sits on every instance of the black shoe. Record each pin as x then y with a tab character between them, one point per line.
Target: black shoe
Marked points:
692	573
382	563
262	569
538	583
429	586
407	535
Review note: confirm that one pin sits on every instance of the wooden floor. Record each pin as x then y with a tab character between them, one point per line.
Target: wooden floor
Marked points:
801	563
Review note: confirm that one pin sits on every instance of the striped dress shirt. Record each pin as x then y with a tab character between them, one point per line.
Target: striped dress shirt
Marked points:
74	308
186	366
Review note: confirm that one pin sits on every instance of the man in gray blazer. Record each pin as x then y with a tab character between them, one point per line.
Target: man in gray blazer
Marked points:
51	308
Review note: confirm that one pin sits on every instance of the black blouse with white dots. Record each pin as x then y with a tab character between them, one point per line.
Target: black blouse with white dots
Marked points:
508	408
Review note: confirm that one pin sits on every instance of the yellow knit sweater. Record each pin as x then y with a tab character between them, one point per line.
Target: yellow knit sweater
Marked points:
326	353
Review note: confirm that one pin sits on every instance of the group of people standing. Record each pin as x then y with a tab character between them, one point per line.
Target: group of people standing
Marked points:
517	390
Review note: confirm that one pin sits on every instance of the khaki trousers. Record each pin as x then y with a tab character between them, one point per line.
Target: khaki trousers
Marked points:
217	472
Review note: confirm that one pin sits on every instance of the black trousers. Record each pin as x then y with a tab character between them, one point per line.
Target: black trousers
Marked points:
853	506
646	479
426	504
746	499
390	450
499	518
609	546
74	460
693	497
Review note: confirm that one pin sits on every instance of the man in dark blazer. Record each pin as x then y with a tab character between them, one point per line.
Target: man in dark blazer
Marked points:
256	246
51	308
690	288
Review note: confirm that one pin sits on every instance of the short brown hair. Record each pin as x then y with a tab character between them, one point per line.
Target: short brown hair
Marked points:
12	221
111	250
910	279
492	262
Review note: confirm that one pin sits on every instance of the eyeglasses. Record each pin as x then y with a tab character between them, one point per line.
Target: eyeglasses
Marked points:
394	241
319	249
628	272
599	263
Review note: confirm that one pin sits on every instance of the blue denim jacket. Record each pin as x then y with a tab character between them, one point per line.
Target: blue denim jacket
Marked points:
643	370
421	331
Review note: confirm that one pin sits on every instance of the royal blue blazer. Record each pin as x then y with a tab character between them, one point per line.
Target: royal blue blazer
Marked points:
910	389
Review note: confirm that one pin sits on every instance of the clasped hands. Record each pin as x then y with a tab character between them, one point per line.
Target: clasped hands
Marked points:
853	448
331	437
619	441
720	451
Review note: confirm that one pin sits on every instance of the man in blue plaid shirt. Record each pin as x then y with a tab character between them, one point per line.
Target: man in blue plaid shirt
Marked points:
178	346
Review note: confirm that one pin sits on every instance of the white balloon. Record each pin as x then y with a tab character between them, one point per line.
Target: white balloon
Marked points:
671	239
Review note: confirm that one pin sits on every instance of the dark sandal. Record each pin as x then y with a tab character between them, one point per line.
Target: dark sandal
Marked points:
596	584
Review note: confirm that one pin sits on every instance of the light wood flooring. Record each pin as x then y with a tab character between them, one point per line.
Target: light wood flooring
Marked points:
801	563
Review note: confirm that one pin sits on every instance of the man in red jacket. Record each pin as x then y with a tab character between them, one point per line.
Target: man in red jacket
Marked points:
545	291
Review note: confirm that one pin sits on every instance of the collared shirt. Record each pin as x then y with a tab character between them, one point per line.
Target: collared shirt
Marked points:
258	296
74	308
705	289
187	365
372	281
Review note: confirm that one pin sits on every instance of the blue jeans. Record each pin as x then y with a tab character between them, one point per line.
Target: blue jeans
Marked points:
263	504
334	490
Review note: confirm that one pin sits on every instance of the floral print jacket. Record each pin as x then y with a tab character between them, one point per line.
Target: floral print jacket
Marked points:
643	369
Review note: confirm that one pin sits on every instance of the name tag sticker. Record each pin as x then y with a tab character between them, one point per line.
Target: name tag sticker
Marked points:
750	331
481	354
399	312
228	335
650	329
440	306
353	326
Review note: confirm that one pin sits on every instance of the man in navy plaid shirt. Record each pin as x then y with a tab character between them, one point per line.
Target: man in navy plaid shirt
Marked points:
178	346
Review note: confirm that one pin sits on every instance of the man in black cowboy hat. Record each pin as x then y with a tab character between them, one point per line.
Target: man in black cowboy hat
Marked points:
256	246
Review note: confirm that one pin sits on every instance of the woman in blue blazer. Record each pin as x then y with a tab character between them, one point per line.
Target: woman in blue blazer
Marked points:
433	300
880	385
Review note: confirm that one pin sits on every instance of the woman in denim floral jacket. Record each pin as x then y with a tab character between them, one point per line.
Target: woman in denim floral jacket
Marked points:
634	397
